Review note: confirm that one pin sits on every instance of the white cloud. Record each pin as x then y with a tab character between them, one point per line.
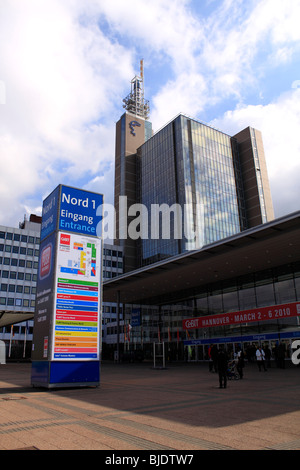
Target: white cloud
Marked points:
160	26
64	82
104	184
234	48
186	94
61	77
240	46
67	65
279	123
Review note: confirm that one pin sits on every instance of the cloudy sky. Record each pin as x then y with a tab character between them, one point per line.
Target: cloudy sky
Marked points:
66	65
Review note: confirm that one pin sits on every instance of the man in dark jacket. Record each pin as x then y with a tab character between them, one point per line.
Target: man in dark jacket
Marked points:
222	361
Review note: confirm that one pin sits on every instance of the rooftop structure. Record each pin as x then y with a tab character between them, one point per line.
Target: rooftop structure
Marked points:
135	102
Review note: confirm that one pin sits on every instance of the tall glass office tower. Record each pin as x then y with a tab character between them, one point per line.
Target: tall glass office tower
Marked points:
196	184
193	170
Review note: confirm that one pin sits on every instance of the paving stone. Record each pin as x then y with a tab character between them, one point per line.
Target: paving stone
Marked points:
138	408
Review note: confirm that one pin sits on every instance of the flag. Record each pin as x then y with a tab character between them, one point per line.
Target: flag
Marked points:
11	335
169	334
25	337
128	332
127	329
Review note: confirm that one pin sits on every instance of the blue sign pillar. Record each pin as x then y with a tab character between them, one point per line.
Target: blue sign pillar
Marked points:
67	323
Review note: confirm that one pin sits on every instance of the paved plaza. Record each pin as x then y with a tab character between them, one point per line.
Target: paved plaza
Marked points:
140	408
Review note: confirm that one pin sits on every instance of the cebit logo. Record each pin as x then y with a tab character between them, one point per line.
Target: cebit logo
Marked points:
132	125
65	239
191	323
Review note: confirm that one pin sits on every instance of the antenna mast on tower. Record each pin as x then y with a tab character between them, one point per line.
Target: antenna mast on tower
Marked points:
135	102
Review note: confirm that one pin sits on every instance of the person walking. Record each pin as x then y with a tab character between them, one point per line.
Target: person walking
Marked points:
240	363
214	356
275	354
260	359
281	356
222	362
268	356
210	361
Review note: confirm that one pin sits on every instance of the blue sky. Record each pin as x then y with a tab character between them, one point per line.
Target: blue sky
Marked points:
66	66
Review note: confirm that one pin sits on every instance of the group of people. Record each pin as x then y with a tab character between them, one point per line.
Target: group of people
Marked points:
219	361
278	353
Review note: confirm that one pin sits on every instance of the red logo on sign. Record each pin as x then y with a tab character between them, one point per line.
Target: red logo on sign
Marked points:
65	239
45	264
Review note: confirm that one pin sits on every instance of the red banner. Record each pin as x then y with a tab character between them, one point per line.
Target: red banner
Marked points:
275	312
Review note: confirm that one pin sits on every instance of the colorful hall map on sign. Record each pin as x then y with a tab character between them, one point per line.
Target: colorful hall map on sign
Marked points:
80	255
77	301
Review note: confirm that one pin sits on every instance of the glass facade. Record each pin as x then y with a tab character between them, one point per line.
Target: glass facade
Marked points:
193	170
259	178
156	165
271	287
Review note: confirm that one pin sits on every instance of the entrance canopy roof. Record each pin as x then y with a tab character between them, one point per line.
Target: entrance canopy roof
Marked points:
267	246
10	317
270	245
